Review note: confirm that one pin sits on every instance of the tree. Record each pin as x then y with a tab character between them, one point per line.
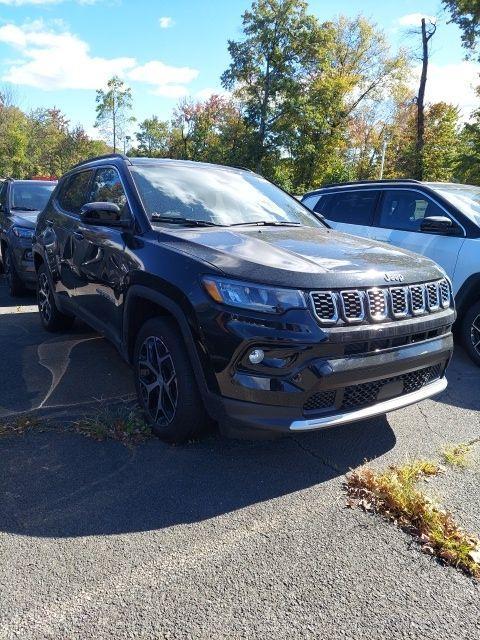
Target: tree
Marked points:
466	14
210	131
468	169
153	137
265	70
352	74
427	35
113	108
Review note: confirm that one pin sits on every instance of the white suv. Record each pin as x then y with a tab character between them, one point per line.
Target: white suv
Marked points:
440	220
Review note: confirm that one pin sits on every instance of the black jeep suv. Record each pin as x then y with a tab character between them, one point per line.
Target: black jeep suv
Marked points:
20	203
234	302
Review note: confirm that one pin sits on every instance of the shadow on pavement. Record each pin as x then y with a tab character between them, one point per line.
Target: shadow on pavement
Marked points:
463	389
59	484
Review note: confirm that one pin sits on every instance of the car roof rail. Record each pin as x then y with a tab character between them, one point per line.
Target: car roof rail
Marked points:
107	156
359	182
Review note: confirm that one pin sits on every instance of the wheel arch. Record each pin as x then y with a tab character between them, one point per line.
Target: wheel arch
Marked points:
468	294
143	303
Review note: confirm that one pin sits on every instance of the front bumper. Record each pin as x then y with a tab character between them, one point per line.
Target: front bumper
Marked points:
328	385
432	389
23	260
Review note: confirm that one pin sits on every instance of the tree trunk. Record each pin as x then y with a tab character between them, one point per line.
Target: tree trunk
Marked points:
419	147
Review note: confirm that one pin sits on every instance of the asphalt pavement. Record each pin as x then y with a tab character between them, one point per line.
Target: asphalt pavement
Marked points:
218	538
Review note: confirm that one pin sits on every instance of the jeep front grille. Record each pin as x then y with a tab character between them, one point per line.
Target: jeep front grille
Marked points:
380	304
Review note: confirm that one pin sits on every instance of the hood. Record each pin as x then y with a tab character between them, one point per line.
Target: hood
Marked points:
302	257
26	219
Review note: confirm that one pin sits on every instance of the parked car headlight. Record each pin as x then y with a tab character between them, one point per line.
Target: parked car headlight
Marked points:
23	232
251	296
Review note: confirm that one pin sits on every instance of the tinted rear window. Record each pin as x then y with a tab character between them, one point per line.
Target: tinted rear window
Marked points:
349	208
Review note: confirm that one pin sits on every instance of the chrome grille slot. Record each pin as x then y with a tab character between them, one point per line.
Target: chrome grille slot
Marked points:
432	296
399	300
377	304
381	304
352	305
444	289
417	299
325	306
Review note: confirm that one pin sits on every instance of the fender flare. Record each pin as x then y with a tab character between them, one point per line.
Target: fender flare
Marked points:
140	291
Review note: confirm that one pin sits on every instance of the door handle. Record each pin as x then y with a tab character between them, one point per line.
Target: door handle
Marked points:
78	235
49	223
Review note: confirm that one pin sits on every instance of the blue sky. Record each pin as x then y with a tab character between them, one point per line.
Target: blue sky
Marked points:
56	52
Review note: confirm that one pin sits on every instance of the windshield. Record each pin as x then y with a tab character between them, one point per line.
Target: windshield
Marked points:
214	195
31	196
465	197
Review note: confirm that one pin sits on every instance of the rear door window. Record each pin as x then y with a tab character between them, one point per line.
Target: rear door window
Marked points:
404	209
74	191
352	207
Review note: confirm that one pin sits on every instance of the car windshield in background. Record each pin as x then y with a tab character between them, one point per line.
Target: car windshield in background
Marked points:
200	195
31	196
465	197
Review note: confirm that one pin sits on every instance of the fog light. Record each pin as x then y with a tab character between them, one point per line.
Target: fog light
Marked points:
256	356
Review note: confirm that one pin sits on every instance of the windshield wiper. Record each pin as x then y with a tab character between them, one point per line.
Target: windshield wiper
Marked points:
156	217
267	223
22	209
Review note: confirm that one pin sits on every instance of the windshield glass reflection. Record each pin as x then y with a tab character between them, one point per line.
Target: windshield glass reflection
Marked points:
218	195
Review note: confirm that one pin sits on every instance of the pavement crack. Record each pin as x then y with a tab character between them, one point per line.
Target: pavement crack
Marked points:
427	423
328	464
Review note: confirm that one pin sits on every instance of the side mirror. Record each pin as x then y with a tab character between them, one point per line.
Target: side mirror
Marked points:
439	224
107	214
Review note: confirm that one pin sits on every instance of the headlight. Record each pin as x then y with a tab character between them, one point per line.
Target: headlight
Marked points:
23	232
253	296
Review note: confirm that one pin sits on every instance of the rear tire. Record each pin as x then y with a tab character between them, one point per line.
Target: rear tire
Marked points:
52	318
16	287
166	387
471	332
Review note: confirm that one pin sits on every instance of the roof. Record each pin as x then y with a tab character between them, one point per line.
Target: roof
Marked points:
153	161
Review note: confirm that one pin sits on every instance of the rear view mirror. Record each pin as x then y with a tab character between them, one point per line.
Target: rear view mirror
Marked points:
439	224
106	214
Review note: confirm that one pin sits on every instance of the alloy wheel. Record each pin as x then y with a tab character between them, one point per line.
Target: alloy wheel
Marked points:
475	333
44	298
158	381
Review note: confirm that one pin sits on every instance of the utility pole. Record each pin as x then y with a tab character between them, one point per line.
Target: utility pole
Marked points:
382	164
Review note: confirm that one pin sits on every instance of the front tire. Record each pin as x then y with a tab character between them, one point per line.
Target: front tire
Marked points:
471	332
52	318
16	287
166	387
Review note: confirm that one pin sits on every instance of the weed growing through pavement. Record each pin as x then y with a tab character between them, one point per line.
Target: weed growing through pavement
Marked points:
457	455
123	424
18	425
395	495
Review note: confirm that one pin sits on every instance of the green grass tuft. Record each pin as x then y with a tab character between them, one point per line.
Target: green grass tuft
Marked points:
394	494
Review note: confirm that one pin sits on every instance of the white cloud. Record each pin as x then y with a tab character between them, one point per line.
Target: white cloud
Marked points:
22	3
57	59
453	83
165	22
156	72
415	19
208	92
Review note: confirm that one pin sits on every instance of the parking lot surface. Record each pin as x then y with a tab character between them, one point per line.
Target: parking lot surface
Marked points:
218	538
